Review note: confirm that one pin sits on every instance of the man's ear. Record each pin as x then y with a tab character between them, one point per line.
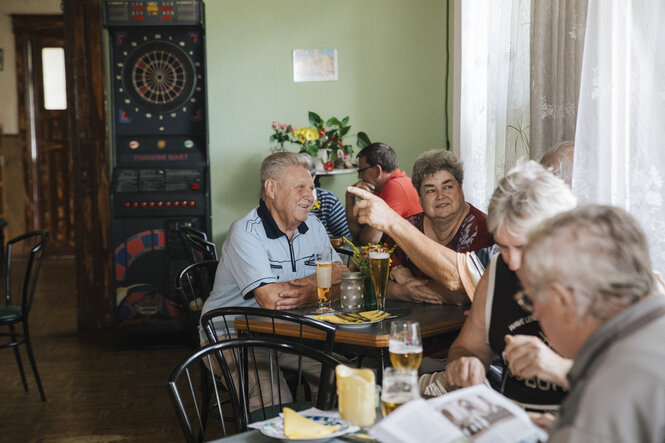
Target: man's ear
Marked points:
270	188
563	298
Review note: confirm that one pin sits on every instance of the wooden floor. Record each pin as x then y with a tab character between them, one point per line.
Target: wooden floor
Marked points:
93	394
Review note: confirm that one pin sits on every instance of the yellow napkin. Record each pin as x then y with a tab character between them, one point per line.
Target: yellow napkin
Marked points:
297	426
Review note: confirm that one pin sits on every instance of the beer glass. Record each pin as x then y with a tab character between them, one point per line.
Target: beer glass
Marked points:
405	346
324	280
399	386
379	269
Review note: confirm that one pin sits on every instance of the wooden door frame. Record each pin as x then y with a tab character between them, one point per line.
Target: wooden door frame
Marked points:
84	56
23	27
84	62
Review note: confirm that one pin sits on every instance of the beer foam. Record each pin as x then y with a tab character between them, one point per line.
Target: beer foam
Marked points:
379	255
399	347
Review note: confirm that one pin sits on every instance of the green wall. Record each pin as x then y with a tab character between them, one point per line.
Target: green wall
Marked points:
391	58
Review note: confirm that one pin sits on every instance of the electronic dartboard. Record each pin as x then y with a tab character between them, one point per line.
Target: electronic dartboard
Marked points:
160	160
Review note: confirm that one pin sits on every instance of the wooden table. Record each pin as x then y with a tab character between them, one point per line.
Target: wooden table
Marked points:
435	321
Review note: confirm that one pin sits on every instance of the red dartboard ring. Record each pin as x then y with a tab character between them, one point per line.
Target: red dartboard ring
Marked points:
159	76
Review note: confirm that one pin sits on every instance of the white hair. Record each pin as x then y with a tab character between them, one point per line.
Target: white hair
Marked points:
600	253
527	195
273	166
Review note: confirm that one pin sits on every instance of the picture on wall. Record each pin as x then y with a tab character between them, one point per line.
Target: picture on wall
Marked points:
314	65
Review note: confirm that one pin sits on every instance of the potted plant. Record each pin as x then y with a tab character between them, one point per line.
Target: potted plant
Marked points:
323	139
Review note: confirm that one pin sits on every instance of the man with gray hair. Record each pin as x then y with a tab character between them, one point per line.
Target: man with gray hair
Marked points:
588	280
268	257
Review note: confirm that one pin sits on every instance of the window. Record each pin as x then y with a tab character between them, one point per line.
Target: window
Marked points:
53	73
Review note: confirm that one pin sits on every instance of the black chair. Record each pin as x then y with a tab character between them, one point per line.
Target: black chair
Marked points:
194	285
183	229
257	322
190	395
22	264
199	248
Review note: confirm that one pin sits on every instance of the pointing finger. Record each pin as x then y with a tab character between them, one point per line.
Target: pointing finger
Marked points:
365	195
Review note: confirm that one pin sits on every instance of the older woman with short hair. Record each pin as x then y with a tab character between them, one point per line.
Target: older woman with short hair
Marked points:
446	218
497	325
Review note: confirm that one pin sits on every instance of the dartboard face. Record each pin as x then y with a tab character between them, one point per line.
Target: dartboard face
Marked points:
159	76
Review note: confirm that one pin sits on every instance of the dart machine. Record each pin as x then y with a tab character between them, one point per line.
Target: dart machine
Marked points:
160	177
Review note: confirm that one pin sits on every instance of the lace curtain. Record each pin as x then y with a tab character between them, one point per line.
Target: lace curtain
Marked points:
494	98
620	140
520	75
557	43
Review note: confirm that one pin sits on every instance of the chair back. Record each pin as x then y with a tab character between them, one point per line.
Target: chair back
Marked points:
258	322
182	229
199	248
191	384
23	259
234	322
194	285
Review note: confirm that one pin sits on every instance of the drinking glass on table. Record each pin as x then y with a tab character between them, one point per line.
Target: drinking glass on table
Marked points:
324	280
399	386
379	269
405	346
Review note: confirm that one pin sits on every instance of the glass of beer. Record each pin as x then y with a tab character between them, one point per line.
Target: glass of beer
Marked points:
405	346
324	280
399	386
379	269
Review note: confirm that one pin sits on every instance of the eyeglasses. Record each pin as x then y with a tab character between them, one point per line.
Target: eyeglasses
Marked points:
525	302
364	169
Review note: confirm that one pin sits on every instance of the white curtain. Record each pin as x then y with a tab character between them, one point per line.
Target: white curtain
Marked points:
494	103
557	43
620	139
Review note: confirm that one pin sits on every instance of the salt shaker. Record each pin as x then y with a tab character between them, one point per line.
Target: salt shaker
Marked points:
351	291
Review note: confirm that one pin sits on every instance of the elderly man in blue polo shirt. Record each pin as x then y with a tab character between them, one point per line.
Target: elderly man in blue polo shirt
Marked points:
268	257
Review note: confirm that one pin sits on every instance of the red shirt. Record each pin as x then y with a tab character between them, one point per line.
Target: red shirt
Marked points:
400	194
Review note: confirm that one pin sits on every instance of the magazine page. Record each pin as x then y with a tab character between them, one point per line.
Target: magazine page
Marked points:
416	422
476	414
485	416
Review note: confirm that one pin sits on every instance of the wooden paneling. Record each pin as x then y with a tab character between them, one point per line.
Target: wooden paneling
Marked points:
85	95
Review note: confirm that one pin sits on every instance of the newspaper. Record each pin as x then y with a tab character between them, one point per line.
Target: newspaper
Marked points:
473	414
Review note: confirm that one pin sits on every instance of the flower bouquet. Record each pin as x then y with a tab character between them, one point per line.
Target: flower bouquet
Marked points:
327	136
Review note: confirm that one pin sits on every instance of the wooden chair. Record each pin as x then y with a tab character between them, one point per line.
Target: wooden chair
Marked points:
22	264
189	391
194	285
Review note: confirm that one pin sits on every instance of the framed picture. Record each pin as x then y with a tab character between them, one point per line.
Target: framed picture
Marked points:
314	65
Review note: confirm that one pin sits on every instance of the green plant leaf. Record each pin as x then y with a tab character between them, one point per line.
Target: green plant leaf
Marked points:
362	140
343	131
332	121
312	150
315	120
345	120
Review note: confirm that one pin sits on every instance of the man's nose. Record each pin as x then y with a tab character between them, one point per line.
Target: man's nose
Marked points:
514	260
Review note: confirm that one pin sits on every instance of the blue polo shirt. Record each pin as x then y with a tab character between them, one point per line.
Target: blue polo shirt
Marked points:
256	253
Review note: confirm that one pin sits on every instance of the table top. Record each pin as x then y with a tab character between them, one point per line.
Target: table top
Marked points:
433	319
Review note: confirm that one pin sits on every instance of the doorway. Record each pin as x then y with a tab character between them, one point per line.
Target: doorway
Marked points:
43	129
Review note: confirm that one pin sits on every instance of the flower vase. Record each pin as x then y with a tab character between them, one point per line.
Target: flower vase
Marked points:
321	159
370	298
